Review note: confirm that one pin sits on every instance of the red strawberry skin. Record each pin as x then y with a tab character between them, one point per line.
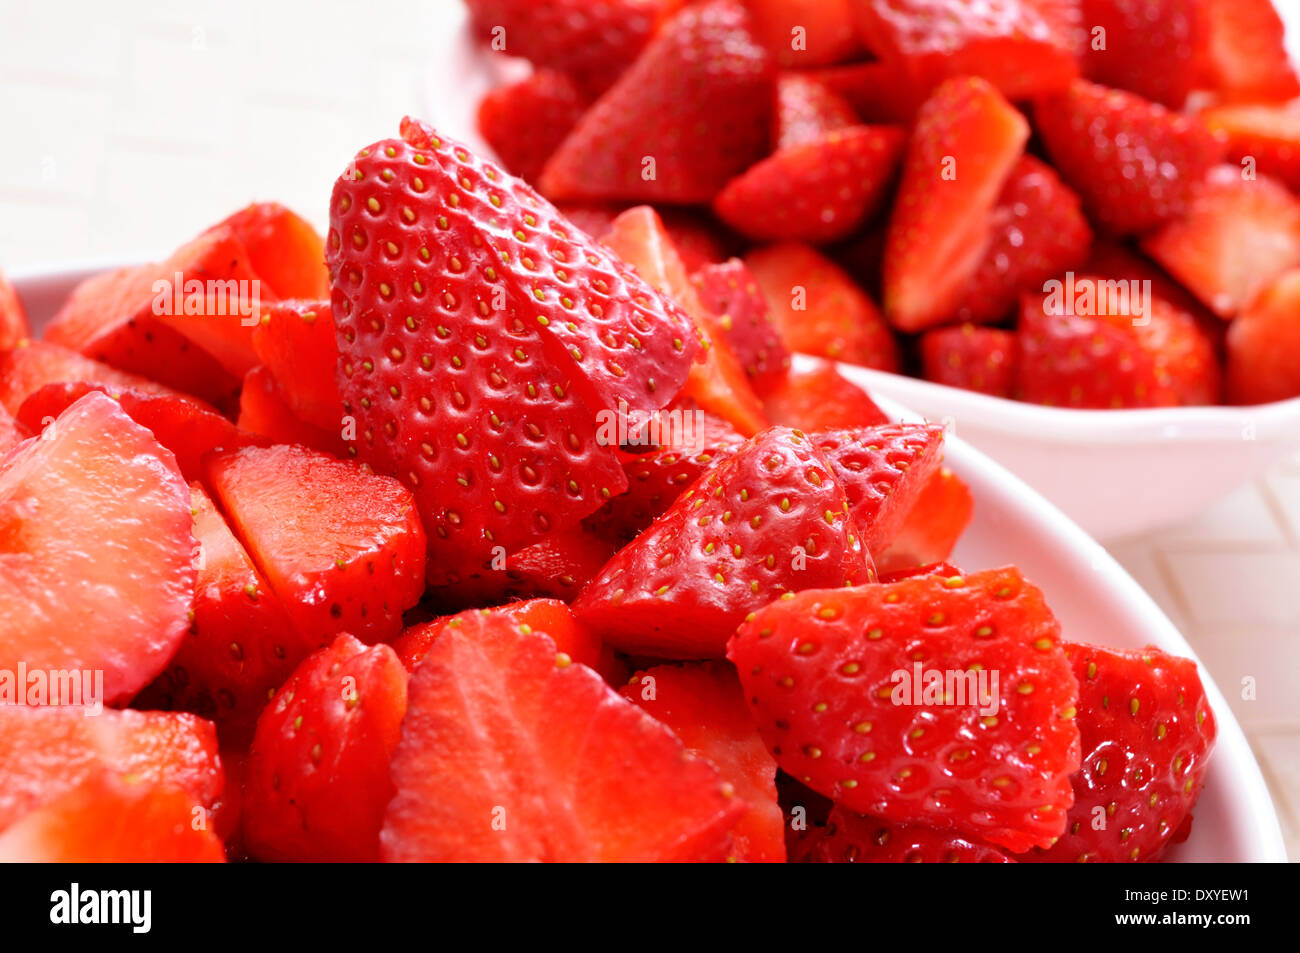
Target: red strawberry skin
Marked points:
698	101
819	668
1247	56
827	30
1147	733
821	399
1154	48
850	838
13	316
769	519
933	526
807	110
477	355
972	358
526	121
1262	343
295	341
730	292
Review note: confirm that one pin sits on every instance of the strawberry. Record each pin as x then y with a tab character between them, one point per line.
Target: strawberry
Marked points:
295	341
1112	345
821	399
511	752
10	433
818	309
1133	162
690	113
971	357
593	41
1237	235
703	704
112	820
771	518
13	317
850	838
941	569
1263	342
822	670
879	91
119	605
1247	57
240	647
932	527
317	782
966	141
1023	47
265	413
524	122
819	191
1267	135
340	546
806	32
484	399
807	110
1038	231
697	239
730	293
1150	47
283	249
185	427
1147	732
557	566
33	364
47	751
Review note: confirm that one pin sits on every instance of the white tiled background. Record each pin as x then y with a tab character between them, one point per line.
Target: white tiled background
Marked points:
129	127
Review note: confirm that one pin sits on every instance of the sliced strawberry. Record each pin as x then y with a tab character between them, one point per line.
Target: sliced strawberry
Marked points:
525	122
1147	732
509	752
850	838
819	191
240	647
33	364
47	751
1263	343
1023	47
484	399
1237	235
931	529
692	112
283	249
1134	163
1247	57
341	547
317	783
704	706
823	669
807	110
878	91
181	425
730	293
113	821
1154	48
971	357
821	399
1114	345
770	519
1266	136
806	32
264	412
10	432
698	240
1038	231
13	317
121	604
818	309
295	341
942	569
966	141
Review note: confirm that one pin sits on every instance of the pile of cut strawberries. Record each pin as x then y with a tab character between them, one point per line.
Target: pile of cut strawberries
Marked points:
474	538
1077	203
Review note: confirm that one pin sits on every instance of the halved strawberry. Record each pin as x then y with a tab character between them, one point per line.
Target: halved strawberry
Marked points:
771	518
806	32
510	752
317	783
1247	57
1154	48
818	309
119	605
295	341
842	683
730	293
971	357
10	432
704	706
1147	732
33	364
48	750
1267	135
283	249
807	110
931	529
13	317
341	547
1236	236
879	91
481	337
265	413
942	569
1263	342
108	820
850	838
240	647
690	113
821	399
1134	163
965	143
524	122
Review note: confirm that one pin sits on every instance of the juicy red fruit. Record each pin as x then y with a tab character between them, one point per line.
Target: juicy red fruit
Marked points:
850	838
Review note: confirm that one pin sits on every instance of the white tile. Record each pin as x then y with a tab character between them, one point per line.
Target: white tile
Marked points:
1243	588
1242	518
1255	667
1142	560
1279	757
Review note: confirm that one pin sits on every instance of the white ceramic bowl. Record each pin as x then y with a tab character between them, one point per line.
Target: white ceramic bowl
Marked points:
1116	473
1095	599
